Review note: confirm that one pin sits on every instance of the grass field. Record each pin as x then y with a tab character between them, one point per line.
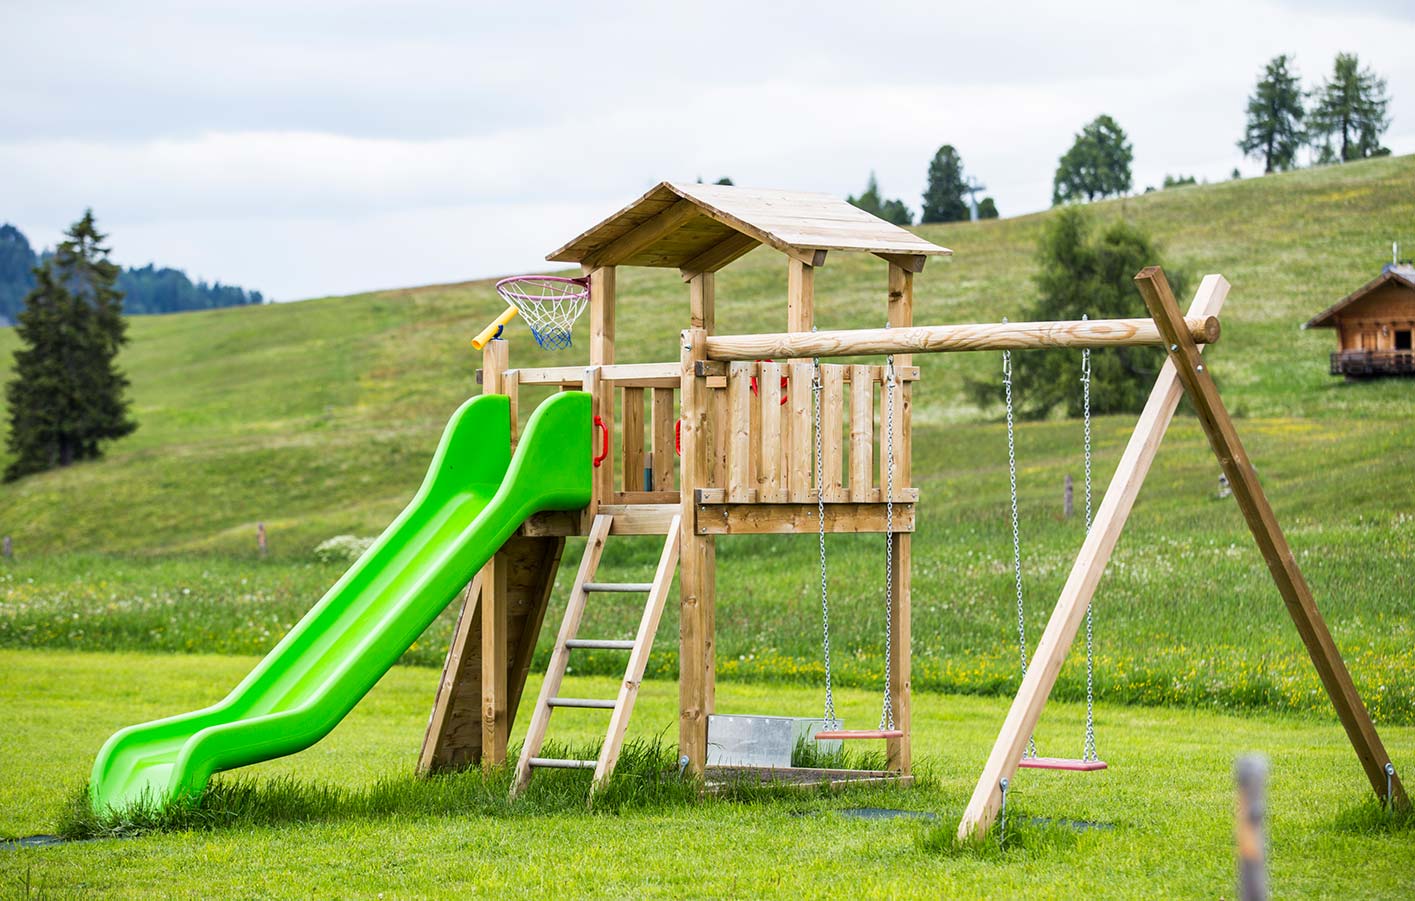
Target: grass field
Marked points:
363	828
318	419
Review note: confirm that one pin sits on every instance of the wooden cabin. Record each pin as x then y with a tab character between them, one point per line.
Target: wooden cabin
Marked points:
1374	326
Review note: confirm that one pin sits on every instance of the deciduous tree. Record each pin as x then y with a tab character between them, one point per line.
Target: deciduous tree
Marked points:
1097	165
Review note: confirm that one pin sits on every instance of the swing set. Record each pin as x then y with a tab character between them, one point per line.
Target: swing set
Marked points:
762	434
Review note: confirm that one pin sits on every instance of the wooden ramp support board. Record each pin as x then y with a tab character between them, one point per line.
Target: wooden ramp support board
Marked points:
523	571
1183	369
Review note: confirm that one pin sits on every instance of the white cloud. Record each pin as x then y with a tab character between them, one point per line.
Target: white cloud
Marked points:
324	147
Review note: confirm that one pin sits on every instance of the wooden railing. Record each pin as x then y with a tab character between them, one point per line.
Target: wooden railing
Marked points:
1373	362
763	432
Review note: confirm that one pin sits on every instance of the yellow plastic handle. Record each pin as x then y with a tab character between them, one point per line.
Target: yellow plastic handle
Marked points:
490	331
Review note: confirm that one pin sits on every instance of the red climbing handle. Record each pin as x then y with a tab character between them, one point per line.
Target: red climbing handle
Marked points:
785	380
678	437
604	443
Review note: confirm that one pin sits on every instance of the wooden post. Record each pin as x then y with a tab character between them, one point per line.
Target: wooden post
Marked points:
1262	522
261	547
602	314
1080	587
1068	490
1251	776
800	296
495	608
697	577
898	750
702	297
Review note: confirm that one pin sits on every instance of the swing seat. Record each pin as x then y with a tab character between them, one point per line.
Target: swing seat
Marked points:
852	734
1068	764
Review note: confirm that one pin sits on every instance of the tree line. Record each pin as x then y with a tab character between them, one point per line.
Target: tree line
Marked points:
146	289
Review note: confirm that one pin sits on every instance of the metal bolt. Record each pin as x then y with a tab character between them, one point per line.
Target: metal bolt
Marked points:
1174	347
1201	367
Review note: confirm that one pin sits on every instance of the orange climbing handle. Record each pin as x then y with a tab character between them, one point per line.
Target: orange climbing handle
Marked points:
493	330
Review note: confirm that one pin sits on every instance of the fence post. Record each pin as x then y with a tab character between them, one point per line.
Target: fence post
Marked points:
8	549
1251	775
1067	507
260	538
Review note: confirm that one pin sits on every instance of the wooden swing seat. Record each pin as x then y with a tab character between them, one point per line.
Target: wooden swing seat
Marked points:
1069	764
851	734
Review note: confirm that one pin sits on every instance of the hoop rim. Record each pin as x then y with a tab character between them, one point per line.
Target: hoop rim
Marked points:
505	288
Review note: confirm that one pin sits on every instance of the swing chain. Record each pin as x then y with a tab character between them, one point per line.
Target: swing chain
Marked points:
1089	751
886	717
1016	536
830	721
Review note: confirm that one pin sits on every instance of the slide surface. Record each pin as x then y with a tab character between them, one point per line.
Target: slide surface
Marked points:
474	497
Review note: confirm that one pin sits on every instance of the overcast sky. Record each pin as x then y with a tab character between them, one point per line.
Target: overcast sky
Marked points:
310	148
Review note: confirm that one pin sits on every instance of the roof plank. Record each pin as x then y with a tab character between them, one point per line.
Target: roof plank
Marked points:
668	226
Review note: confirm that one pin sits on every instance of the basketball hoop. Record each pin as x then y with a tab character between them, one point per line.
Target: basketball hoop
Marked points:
550	304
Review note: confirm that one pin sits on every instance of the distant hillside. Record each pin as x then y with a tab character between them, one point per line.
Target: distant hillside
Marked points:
318	417
148	289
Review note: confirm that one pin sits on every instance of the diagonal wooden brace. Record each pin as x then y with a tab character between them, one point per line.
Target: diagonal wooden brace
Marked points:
1243	481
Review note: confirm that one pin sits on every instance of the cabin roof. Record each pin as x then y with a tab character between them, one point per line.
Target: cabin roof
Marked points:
701	228
1400	276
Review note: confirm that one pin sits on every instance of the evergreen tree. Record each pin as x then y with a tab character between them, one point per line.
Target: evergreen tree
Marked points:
1274	129
889	210
1097	165
943	196
17	260
1091	276
67	395
987	208
1350	107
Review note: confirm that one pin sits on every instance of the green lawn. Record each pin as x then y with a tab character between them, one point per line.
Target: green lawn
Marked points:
1167	800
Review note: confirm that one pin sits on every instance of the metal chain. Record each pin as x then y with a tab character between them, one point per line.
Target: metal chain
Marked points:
1089	751
886	718
830	721
1016	536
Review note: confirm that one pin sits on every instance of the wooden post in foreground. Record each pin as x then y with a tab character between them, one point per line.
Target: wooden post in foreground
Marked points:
898	753
1081	584
1251	776
697	580
1258	513
495	608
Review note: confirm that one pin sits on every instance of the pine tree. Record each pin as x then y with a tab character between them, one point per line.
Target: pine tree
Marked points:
889	210
67	397
1275	113
987	208
1091	276
1351	107
1097	165
943	196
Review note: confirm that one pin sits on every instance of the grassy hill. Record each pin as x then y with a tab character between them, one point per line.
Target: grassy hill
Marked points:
318	418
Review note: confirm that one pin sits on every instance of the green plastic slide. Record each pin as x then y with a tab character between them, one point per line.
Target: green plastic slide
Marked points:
474	497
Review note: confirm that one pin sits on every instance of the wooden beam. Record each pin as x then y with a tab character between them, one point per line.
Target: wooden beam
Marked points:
1080	587
800	296
702	301
948	338
789	519
602	303
464	650
1262	522
900	312
495	640
909	262
642	235
697	577
638	375
719	255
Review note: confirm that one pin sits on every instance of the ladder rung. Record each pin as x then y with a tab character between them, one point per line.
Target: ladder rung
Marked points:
619	587
601	644
593	703
557	763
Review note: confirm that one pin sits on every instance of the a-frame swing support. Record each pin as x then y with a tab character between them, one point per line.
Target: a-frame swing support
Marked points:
1184	371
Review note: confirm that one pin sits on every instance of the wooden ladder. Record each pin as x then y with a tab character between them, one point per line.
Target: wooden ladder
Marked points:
567	640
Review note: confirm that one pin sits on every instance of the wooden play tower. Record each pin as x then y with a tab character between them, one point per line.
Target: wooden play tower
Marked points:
722	442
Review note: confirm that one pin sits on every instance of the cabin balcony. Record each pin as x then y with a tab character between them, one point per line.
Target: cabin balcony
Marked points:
1355	364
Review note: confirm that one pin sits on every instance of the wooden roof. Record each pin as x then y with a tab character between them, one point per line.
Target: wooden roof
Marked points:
701	228
1402	277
